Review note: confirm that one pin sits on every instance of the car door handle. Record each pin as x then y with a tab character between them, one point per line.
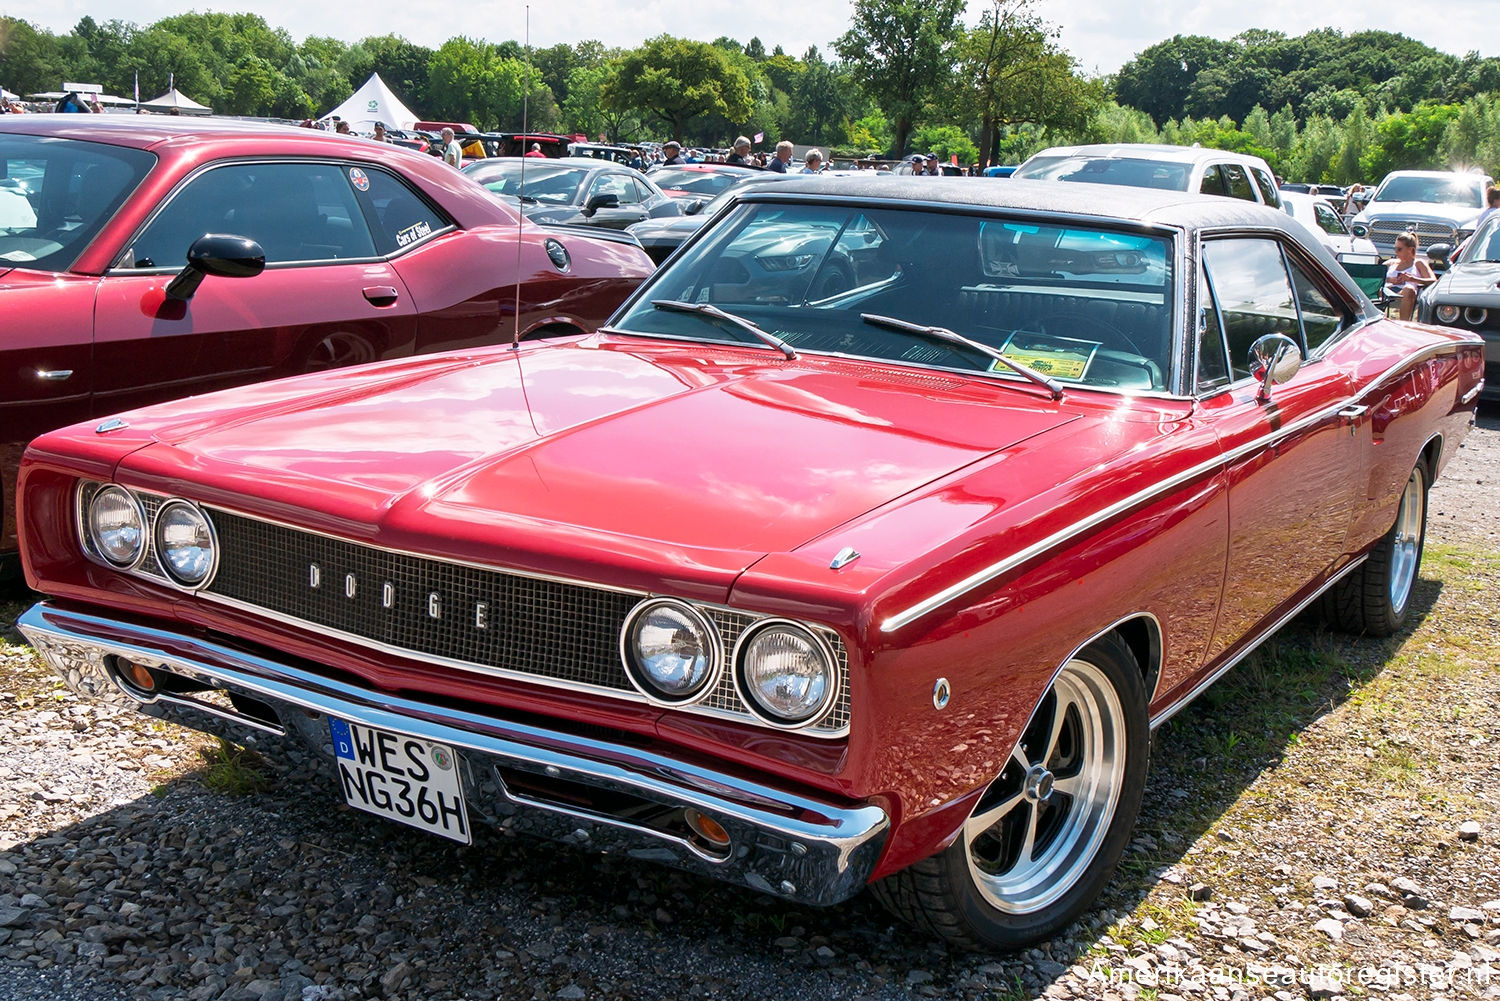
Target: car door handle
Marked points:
54	374
1353	413
381	295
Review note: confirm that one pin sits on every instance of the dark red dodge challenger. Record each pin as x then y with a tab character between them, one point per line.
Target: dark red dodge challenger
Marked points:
865	546
119	237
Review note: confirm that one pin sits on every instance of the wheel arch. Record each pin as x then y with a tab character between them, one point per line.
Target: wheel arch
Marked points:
1431	455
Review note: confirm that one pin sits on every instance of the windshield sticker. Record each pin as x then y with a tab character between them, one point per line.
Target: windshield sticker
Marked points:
413	233
1057	357
358	179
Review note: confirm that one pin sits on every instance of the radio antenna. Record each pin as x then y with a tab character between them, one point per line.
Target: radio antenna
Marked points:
515	340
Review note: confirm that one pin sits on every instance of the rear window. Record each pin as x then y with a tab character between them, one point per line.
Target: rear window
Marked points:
1129	172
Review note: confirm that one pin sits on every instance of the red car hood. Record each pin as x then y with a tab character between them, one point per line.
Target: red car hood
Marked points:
566	456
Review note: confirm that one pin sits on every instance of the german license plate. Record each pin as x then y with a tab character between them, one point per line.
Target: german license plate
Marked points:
405	779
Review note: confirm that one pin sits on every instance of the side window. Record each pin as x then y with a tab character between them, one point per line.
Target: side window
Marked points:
1267	186
642	193
399	216
1213	181
1237	183
297	212
1327	220
1213	367
613	184
1253	295
1321	319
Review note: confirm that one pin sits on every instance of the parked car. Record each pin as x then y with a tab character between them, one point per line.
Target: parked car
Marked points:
575	190
801	591
1323	222
1438	206
660	237
600	151
699	181
1467	295
1142	165
114	296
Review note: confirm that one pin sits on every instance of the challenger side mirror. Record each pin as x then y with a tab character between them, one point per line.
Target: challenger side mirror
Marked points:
693	207
1438	254
1274	359
220	255
601	202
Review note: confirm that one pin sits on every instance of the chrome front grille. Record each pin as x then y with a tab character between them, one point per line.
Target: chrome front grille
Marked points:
473	618
1383	233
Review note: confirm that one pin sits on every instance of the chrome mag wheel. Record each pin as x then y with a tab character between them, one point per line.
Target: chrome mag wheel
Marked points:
1406	542
1040	824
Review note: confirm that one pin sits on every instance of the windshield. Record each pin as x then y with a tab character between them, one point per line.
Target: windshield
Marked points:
1465	191
56	194
1485	244
699	182
546	183
1128	171
1083	305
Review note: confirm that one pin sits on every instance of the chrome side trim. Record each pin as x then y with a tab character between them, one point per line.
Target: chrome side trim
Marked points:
786	843
1468	397
1265	634
1000	568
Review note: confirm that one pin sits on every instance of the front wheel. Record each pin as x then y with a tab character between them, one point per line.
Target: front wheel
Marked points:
1045	836
1375	599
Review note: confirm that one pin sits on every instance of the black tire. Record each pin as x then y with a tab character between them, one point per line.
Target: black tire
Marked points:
986	892
1375	598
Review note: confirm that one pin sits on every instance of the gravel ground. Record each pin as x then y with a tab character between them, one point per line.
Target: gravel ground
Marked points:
1323	822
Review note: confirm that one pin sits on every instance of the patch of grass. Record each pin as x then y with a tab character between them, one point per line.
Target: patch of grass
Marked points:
1015	992
233	769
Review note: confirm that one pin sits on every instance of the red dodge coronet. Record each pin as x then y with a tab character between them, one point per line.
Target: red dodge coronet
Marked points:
111	297
865	546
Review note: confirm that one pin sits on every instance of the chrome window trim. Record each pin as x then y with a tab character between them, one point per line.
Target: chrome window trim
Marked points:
716	653
1064	535
808	729
759	712
118	269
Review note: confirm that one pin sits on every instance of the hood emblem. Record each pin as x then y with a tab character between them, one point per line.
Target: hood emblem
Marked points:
113	424
843	558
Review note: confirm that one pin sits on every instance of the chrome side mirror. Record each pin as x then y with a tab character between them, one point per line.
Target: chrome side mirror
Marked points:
1274	359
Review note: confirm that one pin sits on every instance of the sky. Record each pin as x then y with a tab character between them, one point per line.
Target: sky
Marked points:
1101	34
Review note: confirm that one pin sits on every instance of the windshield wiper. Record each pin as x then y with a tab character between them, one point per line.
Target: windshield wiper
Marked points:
706	309
944	334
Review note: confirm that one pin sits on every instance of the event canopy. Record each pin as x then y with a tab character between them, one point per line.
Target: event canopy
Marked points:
8	95
174	98
374	102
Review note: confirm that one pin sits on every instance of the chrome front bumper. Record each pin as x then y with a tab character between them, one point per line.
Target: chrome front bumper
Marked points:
518	776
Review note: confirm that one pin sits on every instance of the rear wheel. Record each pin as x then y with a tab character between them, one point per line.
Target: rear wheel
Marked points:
1044	838
1375	599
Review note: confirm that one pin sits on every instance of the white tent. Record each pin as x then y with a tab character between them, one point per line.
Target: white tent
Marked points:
175	98
373	103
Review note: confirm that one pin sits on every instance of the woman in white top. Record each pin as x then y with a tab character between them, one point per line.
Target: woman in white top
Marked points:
1405	275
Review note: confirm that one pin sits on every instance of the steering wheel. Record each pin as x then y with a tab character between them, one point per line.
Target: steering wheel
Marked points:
1080	325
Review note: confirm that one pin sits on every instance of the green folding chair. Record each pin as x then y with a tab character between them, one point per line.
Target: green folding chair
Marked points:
1371	281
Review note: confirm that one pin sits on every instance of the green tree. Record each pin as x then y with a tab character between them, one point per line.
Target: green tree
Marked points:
947	141
1160	78
674	80
472	81
901	52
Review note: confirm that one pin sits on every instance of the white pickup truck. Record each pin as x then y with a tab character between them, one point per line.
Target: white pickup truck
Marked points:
1438	206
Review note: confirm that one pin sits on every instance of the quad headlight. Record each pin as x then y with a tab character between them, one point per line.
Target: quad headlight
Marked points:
116	527
785	673
1447	313
185	543
672	653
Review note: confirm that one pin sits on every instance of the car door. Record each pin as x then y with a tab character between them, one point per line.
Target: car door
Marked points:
1293	458
326	297
631	208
